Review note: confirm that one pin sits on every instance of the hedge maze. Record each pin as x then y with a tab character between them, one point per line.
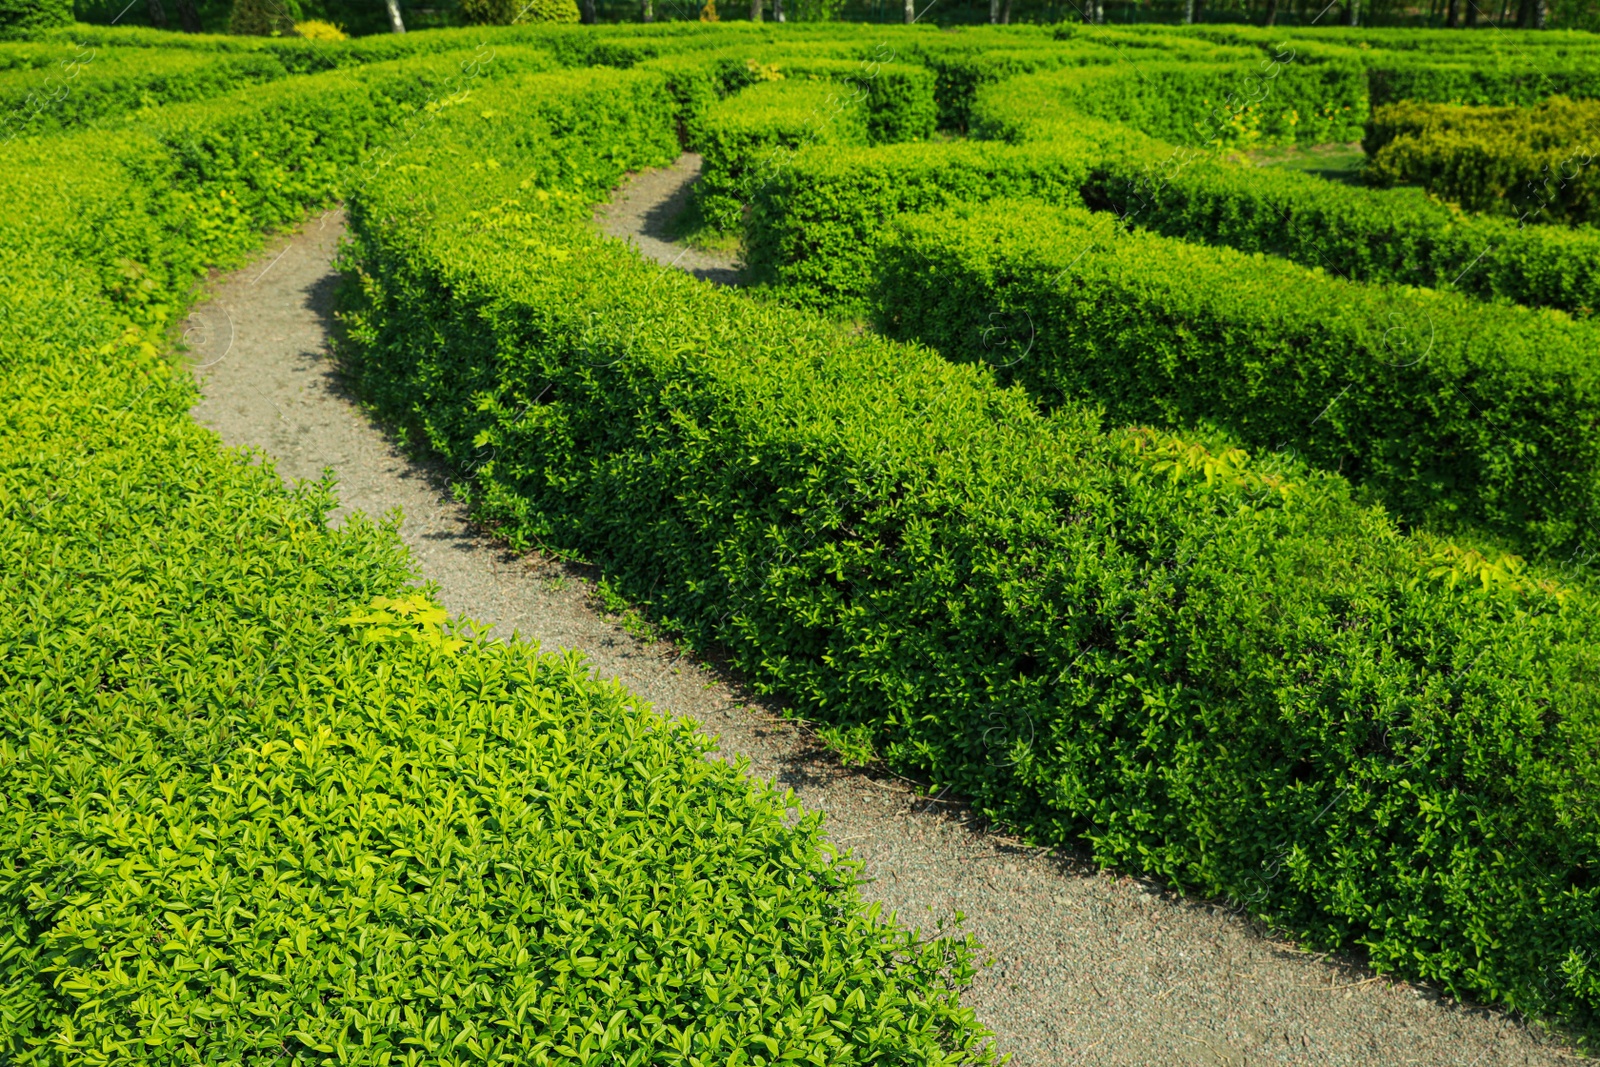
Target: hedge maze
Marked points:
1228	523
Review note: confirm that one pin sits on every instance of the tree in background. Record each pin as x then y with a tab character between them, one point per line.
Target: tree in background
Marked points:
263	18
507	12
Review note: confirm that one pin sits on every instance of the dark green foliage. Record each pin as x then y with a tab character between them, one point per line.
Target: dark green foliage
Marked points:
1448	410
264	18
815	228
27	18
1535	164
244	819
1220	672
507	12
748	138
1394	235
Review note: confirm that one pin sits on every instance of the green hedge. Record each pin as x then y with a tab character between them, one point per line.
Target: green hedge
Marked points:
91	84
1394	235
1218	671
1450	411
247	811
749	137
973	57
1532	163
1201	104
815	228
1516	78
898	96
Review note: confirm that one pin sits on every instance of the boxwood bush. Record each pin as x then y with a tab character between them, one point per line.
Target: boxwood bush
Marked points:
1190	104
1390	235
815	228
1450	411
1215	669
747	138
89	84
1531	163
259	798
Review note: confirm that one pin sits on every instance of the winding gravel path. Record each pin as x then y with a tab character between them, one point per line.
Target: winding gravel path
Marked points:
1088	967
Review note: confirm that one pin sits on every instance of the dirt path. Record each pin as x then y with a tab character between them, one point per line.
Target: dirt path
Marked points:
1088	968
643	209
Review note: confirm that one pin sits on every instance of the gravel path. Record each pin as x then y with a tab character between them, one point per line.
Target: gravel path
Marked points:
1088	967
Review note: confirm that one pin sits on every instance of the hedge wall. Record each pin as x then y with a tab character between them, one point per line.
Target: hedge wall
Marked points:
1532	163
748	138
258	798
1450	411
1215	670
1392	235
815	228
1200	104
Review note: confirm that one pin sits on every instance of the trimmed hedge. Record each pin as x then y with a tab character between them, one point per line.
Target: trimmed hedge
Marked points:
898	96
256	802
973	57
1203	104
91	84
1217	671
1533	163
1393	235
1515	78
747	138
815	228
1450	411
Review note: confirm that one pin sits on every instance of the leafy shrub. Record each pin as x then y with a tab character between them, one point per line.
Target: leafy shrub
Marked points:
320	30
815	228
97	84
1215	669
1199	104
898	97
1449	410
1533	163
1391	235
25	18
747	138
255	802
1474	78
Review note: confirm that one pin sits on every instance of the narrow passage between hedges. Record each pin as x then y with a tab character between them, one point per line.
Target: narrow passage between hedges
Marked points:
1088	968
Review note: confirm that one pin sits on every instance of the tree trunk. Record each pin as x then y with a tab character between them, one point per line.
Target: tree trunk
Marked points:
1472	13
1352	12
188	17
395	23
994	12
1005	14
755	10
586	12
777	11
647	10
911	11
1452	12
1189	11
158	17
1272	13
